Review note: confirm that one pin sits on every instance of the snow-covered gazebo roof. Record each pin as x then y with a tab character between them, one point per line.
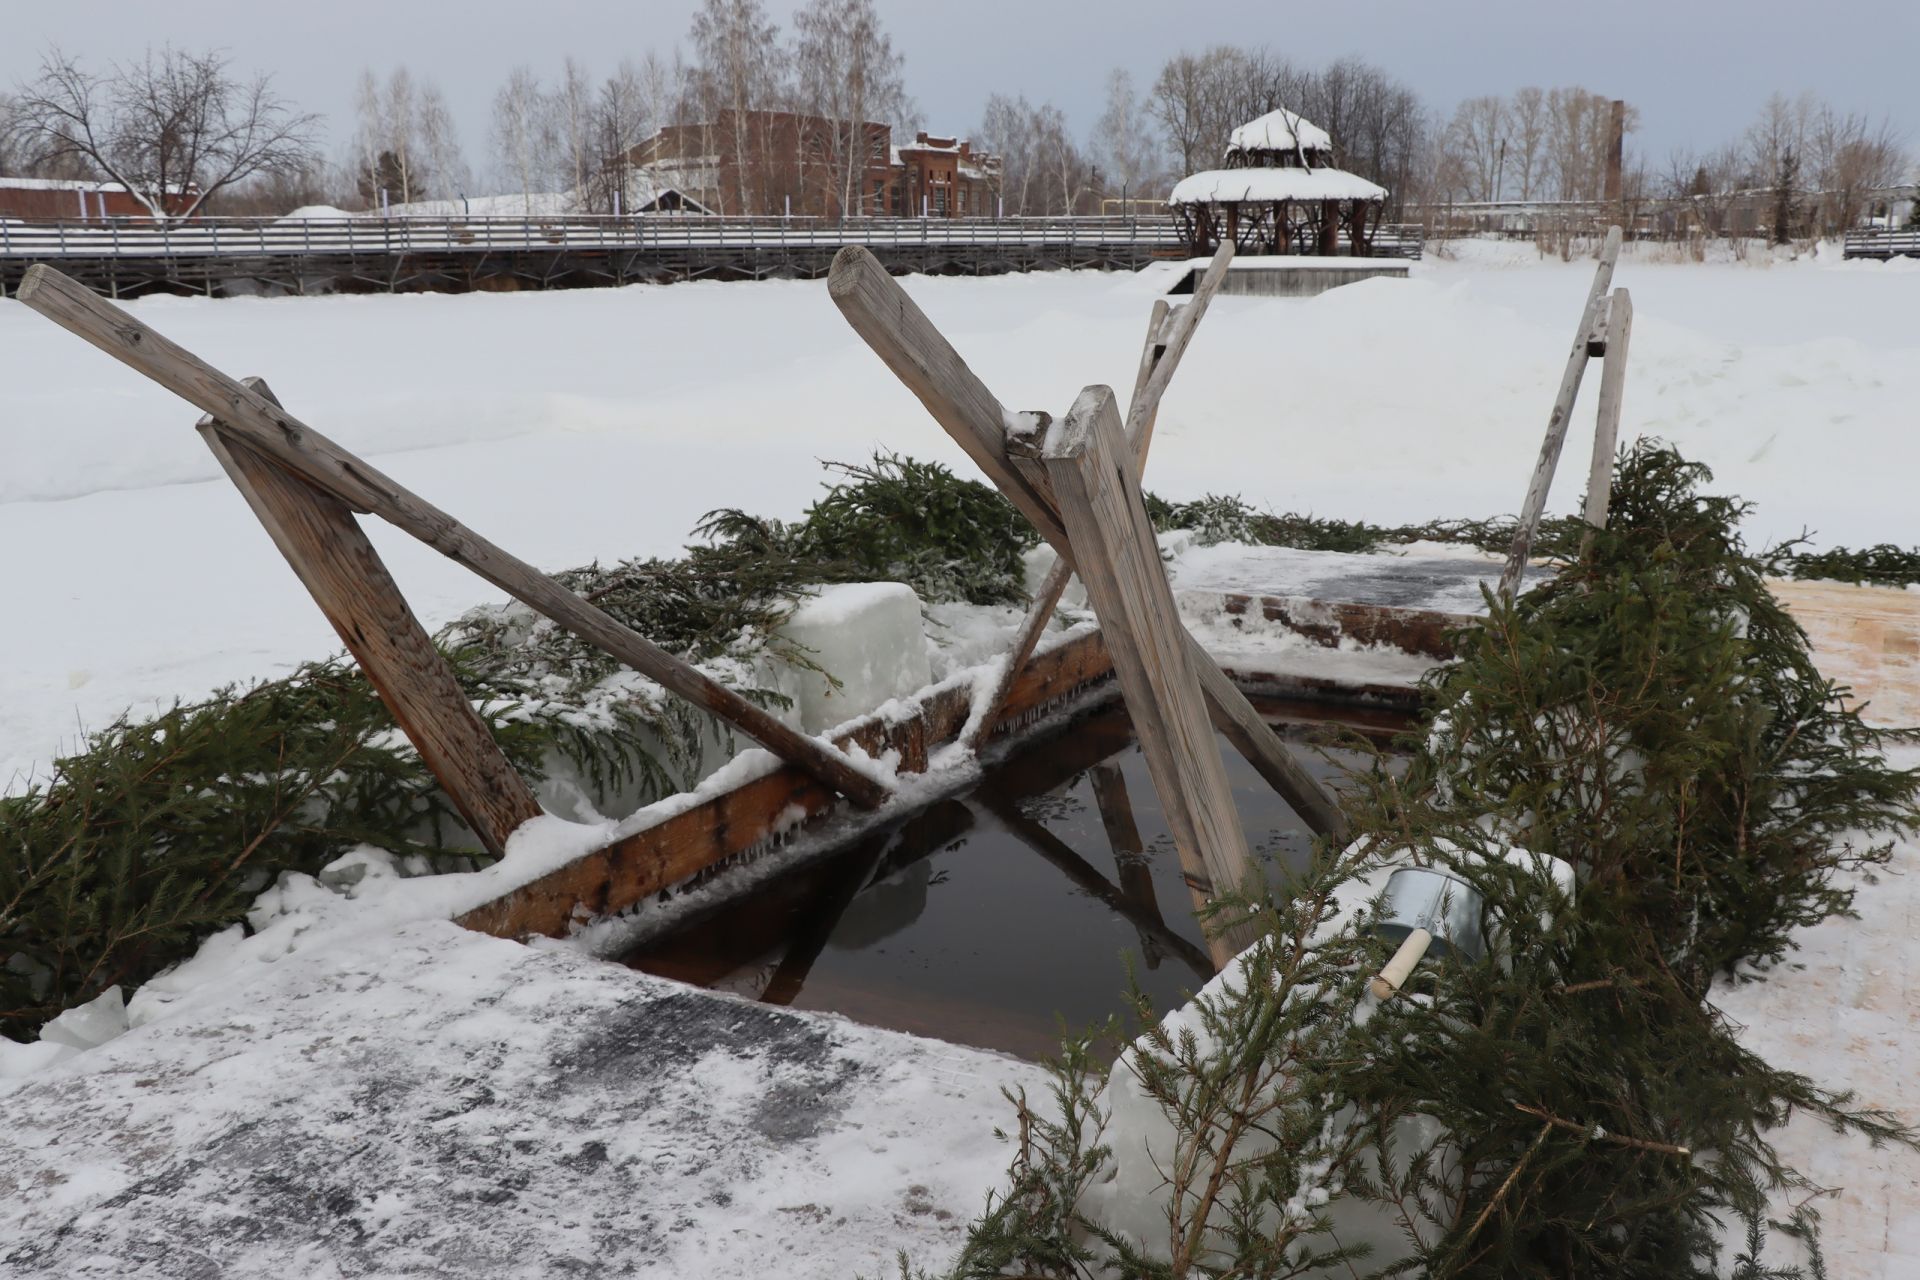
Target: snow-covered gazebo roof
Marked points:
1277	191
1281	130
1222	186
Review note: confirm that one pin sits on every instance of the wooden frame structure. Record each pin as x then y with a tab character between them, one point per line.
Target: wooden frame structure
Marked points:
1079	483
1606	326
306	490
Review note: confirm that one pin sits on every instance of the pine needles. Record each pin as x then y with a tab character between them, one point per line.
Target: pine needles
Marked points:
1652	716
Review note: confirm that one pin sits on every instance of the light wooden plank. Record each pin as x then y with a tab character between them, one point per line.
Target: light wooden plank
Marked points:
343	573
1118	560
1054	584
1606	432
907	342
1542	478
279	435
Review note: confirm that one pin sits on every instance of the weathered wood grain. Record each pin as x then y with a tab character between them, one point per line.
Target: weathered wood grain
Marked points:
340	569
276	434
1118	560
631	870
1606	431
1542	479
907	342
1047	598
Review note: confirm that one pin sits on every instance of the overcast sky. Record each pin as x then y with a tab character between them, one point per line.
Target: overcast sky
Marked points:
1698	70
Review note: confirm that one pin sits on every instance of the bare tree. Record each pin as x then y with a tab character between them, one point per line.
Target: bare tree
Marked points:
520	128
1007	130
572	125
1850	158
1776	145
1125	146
625	113
440	145
1528	115
175	128
847	71
1476	145
740	69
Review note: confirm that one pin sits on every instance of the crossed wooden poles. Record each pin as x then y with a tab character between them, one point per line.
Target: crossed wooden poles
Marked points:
1077	481
1606	326
306	490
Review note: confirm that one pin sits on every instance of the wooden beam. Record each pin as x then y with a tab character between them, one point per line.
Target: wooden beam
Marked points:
1119	562
1542	479
276	434
1054	584
744	818
907	342
340	569
1606	433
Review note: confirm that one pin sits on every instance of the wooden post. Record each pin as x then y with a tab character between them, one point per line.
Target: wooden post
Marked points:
920	356
1542	479
1606	432
345	576
1159	358
278	435
1118	559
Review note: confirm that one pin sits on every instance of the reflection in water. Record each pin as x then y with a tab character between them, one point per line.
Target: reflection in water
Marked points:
991	918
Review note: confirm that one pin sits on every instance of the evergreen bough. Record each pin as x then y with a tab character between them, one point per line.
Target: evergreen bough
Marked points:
1651	715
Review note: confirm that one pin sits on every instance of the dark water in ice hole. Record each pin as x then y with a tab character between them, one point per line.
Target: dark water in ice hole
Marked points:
986	918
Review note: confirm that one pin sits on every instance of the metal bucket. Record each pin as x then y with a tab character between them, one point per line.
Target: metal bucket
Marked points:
1441	903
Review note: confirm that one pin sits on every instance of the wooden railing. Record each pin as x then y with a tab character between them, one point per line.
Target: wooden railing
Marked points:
297	237
1883	244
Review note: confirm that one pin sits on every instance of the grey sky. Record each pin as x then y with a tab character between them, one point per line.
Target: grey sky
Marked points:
1697	70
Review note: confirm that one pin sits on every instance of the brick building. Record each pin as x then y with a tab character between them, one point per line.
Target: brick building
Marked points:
41	199
780	162
943	178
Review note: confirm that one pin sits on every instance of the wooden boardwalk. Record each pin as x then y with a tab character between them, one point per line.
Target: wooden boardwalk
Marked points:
123	259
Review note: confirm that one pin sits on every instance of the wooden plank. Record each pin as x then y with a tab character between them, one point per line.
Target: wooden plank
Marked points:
1119	562
1597	335
272	431
343	573
1542	478
1144	408
633	869
1054	584
1606	432
907	342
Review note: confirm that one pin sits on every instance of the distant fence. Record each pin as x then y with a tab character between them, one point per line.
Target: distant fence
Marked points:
126	257
287	237
1882	244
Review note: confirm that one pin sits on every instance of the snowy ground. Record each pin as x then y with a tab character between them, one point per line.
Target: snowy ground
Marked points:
431	1102
603	423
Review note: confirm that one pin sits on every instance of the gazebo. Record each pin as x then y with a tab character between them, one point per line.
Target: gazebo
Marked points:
1278	194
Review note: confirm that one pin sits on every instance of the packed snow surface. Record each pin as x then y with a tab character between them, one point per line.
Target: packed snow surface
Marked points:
430	1102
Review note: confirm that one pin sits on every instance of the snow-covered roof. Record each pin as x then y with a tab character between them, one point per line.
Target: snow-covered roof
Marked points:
1264	185
1281	130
